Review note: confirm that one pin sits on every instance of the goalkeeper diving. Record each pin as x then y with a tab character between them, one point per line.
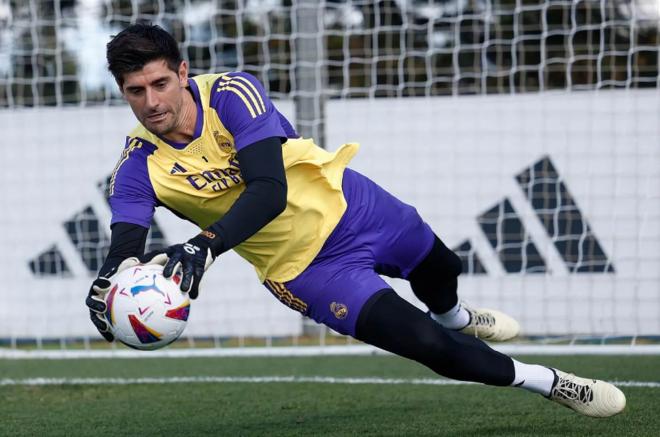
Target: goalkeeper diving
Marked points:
214	150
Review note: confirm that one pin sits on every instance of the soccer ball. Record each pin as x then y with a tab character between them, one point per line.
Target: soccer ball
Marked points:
145	310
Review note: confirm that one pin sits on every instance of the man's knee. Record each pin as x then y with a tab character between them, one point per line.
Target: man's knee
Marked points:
441	263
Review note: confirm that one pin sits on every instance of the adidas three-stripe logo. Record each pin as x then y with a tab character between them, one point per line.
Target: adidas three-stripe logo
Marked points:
88	238
245	90
543	189
560	218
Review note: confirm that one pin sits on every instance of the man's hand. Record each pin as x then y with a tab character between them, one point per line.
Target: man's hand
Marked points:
191	259
96	298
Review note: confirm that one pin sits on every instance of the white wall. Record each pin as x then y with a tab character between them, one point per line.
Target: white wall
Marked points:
452	158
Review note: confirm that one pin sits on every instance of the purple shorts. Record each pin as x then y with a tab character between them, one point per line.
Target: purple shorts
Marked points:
378	234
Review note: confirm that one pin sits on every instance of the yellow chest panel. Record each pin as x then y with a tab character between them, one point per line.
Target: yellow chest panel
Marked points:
202	181
203	176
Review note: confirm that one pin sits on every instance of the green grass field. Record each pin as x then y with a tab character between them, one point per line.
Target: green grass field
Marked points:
307	408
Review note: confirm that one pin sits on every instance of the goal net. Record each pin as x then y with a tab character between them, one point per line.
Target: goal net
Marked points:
525	132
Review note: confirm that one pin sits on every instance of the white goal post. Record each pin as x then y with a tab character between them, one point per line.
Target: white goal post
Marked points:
524	131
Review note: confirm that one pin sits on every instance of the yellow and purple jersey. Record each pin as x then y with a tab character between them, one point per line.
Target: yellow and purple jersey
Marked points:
201	180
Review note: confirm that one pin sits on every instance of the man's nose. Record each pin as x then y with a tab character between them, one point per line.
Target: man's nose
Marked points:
152	98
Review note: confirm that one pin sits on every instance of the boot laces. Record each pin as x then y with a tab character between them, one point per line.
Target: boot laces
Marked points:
482	319
568	389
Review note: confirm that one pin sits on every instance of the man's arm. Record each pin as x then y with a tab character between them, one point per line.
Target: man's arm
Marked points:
132	201
127	240
264	198
126	243
242	105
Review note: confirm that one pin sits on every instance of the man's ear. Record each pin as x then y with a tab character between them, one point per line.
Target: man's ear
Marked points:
183	74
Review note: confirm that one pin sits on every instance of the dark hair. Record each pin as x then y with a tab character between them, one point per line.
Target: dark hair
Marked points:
139	44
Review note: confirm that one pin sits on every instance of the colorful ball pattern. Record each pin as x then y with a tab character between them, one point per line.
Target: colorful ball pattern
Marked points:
145	310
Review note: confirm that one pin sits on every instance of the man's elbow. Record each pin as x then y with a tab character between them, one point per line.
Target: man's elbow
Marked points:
279	201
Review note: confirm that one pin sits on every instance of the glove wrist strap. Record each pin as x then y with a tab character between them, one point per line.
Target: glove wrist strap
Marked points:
208	240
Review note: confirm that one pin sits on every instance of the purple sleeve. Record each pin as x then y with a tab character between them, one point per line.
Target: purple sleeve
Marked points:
246	111
130	193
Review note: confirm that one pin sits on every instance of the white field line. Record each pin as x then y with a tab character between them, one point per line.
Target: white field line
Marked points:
300	351
259	380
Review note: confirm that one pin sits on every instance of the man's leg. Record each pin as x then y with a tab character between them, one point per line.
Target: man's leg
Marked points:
434	282
389	322
400	244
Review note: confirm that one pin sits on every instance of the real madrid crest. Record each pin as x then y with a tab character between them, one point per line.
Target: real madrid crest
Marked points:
339	310
222	142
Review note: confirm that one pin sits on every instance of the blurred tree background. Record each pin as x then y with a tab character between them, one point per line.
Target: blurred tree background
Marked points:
373	48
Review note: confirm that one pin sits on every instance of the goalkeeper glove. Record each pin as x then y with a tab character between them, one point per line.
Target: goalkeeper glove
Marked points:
191	259
96	298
